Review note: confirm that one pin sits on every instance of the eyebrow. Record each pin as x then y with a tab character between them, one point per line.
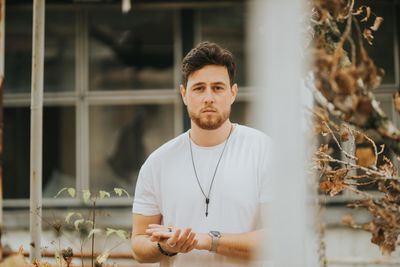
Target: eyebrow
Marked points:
214	83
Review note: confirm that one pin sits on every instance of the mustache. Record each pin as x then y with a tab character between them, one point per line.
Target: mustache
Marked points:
208	108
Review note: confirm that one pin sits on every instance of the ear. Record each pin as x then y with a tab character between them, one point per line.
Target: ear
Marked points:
182	90
234	91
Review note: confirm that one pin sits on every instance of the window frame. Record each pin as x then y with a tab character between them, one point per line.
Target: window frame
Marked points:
81	98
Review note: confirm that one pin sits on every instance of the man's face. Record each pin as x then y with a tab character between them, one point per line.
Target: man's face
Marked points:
209	96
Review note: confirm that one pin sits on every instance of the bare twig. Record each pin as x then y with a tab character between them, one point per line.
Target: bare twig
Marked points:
379	175
337	142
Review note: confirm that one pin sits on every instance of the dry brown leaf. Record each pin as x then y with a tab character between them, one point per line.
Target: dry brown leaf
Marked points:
365	156
378	21
344	137
368	13
345	103
346	80
387	168
367	33
348	219
326	186
336	189
359	11
365	105
359	137
324	148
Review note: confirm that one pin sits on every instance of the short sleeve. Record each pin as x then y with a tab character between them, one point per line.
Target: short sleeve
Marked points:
265	174
145	199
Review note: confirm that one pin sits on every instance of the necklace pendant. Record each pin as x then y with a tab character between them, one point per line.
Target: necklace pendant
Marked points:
207	202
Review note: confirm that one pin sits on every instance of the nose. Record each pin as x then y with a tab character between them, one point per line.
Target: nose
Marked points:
208	96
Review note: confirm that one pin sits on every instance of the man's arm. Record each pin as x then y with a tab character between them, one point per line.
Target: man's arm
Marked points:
246	246
143	249
243	246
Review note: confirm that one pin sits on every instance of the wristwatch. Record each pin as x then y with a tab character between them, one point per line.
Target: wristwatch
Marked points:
215	236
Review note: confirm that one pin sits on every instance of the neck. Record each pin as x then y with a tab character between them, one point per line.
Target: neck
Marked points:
208	138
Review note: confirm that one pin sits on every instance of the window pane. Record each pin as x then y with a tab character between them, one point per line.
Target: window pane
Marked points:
133	50
58	150
121	138
240	113
18	49
225	26
382	50
59	49
59	66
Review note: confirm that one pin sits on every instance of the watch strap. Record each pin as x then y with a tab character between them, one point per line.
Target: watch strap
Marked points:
214	241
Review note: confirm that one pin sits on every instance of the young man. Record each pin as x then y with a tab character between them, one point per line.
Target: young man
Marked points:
198	196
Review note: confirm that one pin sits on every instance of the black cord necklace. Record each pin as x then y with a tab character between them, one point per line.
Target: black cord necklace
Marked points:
207	197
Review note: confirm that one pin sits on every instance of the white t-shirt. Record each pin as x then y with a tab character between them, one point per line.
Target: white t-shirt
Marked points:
167	185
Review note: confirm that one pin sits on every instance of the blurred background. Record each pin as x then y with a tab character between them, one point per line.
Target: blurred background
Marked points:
111	97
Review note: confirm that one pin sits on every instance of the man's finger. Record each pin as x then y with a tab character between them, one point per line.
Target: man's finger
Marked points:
188	241
184	236
162	234
153	225
153	230
192	245
174	238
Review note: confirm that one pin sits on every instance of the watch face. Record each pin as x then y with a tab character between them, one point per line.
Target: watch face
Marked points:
215	233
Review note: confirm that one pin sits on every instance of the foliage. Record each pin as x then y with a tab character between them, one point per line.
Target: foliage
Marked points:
85	226
343	83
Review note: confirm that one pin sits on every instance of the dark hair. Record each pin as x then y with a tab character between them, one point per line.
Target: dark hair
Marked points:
207	53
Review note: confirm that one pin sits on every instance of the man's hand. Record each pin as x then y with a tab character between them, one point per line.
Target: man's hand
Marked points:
172	240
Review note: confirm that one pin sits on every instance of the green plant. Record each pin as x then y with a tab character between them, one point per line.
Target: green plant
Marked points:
86	227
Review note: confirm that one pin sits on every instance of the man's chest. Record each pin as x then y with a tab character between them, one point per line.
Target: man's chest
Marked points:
232	192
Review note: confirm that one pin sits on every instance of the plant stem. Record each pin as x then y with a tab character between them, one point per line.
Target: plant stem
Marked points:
82	254
93	226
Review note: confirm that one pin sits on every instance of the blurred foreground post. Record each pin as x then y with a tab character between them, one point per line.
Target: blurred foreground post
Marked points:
276	64
2	55
36	128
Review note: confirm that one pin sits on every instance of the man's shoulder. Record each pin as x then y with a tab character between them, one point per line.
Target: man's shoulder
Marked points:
170	148
252	134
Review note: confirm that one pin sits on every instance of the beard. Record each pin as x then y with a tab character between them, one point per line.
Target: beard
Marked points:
209	121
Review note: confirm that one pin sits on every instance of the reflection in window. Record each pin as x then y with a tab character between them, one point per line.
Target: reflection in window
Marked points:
58	151
59	49
121	138
134	50
225	26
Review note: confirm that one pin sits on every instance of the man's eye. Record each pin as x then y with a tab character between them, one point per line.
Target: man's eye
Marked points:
197	89
219	88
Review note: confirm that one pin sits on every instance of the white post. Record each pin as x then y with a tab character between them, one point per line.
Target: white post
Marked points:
36	127
2	41
275	47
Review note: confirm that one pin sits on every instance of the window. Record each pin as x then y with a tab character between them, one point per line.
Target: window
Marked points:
122	137
104	111
124	51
